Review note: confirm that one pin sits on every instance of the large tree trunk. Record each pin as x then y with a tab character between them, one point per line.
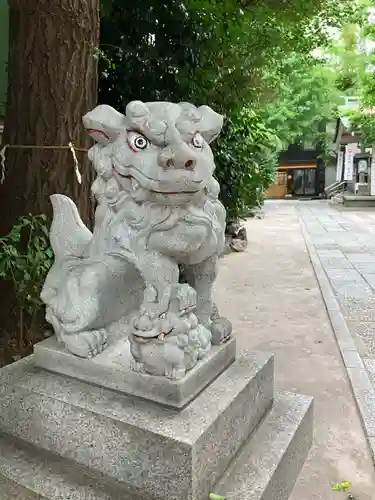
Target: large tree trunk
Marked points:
52	84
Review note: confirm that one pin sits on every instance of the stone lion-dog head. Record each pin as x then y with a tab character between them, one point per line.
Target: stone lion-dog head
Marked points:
161	147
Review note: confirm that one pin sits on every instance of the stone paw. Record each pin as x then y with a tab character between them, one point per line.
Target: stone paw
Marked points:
221	329
202	352
86	344
175	373
135	366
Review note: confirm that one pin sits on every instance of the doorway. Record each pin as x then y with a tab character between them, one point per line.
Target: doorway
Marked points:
304	181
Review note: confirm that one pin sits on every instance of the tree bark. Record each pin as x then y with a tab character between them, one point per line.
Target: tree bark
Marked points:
52	84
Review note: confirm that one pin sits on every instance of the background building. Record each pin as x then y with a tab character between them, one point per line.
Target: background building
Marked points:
300	172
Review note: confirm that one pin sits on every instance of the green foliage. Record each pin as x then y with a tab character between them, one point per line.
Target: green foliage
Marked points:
306	97
364	118
341	487
25	259
234	55
146	46
207	51
213	496
246	159
347	61
364	122
363	73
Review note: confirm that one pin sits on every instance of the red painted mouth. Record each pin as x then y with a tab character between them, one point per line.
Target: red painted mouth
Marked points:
169	193
121	175
92	131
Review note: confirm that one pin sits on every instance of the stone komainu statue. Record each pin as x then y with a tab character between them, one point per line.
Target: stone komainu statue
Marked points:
158	208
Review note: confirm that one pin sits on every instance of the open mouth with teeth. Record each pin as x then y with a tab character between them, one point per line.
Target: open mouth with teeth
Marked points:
147	336
169	193
146	340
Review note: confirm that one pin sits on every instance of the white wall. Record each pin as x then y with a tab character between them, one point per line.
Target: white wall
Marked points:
330	175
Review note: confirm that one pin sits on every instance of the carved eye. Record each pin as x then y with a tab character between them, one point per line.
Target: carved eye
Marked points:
137	142
197	141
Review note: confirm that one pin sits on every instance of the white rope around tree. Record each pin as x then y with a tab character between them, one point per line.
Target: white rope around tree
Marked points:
70	146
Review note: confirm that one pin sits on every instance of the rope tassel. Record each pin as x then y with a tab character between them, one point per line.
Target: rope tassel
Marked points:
76	164
2	162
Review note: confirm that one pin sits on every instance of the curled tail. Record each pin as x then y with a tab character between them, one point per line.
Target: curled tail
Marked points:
68	235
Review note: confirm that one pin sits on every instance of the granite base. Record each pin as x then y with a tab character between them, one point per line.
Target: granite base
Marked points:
266	467
155	451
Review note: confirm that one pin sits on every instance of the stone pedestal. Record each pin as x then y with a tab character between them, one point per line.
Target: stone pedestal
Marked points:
69	438
111	369
363	189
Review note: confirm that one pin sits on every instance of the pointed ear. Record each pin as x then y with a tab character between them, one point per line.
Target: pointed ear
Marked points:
211	123
104	123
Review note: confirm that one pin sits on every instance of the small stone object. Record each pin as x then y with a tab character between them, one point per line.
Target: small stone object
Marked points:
235	238
221	327
158	209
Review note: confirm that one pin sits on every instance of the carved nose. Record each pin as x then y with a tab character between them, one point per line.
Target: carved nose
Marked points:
189	164
178	158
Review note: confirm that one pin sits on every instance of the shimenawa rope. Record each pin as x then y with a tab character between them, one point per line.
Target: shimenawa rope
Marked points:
24	146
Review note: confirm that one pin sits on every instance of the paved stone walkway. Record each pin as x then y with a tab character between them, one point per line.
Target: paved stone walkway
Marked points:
345	244
342	250
272	295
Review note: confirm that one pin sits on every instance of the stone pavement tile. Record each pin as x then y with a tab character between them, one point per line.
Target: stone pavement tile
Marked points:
328	246
362	328
359	314
355	288
315	235
345	239
368	346
348	226
364	390
337	263
370	366
352	247
316	229
352	359
370	278
365	267
355	292
361	258
323	219
369	247
345	340
330	253
344	275
359	284
358	304
371	442
323	241
365	331
367	242
329	222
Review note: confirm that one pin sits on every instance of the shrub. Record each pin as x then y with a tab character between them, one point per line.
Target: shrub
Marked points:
246	162
25	259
